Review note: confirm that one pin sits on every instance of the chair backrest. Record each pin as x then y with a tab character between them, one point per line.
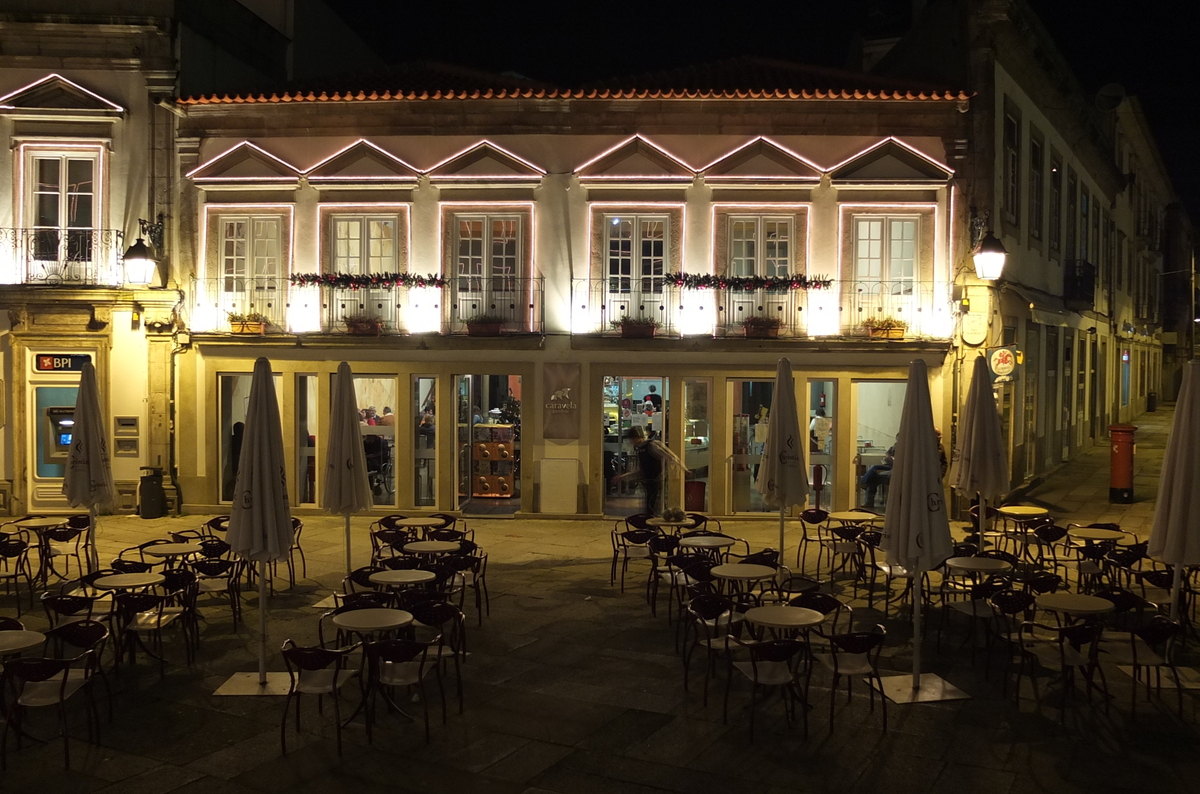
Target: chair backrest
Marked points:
1049	533
414	596
867	644
1011	602
663	544
819	602
767	557
398	652
390	537
1159	630
368	600
29	669
963	550
402	563
638	521
849	532
79	521
447	520
215	548
1000	554
1044	582
447	534
709	606
214	568
1080	634
698	569
1121	599
66	534
310	658
635	537
84	635
696	520
12	548
130	566
217	524
360	578
775	651
448	618
814	515
10	624
71	606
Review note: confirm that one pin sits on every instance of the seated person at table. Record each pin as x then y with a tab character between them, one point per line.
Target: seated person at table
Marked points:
877	475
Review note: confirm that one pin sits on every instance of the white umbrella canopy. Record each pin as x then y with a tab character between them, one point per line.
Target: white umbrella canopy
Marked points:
980	461
1175	533
88	481
782	476
347	488
916	527
260	523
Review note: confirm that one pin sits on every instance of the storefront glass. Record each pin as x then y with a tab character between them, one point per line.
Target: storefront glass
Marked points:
697	450
234	392
375	397
878	406
822	442
750	405
424	393
306	438
489	443
628	403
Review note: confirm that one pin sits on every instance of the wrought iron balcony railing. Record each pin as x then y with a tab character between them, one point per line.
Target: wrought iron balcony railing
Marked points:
518	302
63	257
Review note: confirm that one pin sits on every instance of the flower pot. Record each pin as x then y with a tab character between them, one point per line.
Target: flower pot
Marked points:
639	331
885	333
243	328
364	327
761	331
484	329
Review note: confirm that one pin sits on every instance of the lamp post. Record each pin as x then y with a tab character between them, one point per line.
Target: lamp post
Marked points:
140	268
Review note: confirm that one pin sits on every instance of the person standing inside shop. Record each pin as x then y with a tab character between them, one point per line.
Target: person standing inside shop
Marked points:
654	458
654	398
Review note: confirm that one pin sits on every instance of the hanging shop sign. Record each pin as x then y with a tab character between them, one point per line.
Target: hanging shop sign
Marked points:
1004	363
560	406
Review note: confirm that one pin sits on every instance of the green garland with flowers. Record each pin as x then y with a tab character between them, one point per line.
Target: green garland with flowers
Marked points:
367	281
747	283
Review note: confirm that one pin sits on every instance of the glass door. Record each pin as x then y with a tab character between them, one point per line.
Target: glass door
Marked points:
376	396
632	407
306	438
488	462
750	405
425	441
822	442
234	394
878	406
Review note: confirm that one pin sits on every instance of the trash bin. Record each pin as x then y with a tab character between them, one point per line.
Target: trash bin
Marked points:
152	499
1152	402
693	495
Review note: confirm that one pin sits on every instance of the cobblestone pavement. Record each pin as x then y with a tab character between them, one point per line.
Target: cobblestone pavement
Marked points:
571	686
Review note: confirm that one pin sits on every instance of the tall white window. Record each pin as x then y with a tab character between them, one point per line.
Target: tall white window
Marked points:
885	250
487	262
364	244
637	254
64	207
760	246
250	252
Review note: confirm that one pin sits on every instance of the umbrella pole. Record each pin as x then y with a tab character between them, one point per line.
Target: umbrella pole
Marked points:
1176	582
349	566
262	623
916	675
93	555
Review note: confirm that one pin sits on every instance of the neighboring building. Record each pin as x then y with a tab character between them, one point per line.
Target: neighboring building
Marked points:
1073	186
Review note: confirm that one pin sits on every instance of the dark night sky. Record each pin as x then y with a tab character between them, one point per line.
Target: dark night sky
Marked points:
1144	46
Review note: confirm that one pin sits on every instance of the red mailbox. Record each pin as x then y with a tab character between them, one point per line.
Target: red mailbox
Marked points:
1120	482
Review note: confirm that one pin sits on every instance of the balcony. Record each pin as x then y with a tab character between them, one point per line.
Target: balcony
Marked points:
836	311
1079	285
299	309
62	257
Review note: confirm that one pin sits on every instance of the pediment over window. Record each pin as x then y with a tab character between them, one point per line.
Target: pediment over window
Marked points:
486	162
635	160
245	163
362	161
761	159
890	161
56	95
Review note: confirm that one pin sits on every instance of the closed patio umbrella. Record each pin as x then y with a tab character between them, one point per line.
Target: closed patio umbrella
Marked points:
980	461
1175	533
782	478
260	523
916	528
347	489
88	481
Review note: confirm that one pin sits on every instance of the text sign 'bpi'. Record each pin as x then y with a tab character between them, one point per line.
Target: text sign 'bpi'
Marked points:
61	362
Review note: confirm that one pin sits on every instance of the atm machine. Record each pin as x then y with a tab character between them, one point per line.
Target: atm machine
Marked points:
58	428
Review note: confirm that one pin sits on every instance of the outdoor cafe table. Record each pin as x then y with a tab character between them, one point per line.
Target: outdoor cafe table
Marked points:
667	523
369	621
707	542
128	581
978	564
737	573
168	550
1074	604
13	643
853	516
402	578
784	617
1091	534
423	523
45	559
432	546
1022	512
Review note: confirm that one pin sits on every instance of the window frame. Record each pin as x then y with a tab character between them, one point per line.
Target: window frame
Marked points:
487	275
249	276
1011	165
31	152
1037	167
365	218
1054	226
637	257
885	246
760	254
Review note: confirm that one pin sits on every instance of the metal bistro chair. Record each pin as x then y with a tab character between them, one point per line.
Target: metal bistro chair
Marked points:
627	545
39	683
315	671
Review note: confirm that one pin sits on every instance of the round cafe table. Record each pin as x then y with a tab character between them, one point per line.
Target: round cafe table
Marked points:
708	542
1092	534
370	621
853	516
784	617
168	550
978	565
128	581
1074	604
17	642
402	578
45	559
432	546
666	523
1023	512
743	572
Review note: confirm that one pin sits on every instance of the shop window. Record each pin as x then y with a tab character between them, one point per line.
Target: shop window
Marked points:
424	441
376	397
306	438
697	446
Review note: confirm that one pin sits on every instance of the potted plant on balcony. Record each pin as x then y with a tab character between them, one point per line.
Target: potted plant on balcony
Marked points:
249	324
758	327
635	327
486	325
886	327
363	325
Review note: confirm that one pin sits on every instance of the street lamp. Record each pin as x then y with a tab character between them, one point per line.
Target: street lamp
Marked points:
140	268
989	258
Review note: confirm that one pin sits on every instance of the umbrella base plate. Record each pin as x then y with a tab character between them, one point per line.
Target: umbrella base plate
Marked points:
933	688
328	602
247	684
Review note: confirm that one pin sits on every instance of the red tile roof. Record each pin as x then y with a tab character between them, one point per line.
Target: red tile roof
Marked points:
737	78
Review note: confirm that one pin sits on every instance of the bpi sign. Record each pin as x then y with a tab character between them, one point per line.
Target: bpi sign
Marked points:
60	362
